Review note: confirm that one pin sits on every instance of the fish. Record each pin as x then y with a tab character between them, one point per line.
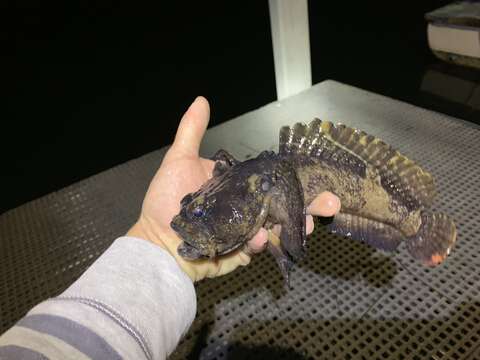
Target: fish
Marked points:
385	198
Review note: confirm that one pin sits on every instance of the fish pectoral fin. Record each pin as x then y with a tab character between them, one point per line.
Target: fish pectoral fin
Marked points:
293	236
374	233
287	208
283	260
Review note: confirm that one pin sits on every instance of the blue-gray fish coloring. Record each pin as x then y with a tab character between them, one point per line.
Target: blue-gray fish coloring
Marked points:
385	197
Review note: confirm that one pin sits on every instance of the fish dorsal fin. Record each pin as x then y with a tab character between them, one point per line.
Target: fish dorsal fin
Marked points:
399	175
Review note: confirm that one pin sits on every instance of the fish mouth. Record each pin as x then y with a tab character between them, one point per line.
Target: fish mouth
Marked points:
189	252
181	231
197	241
190	248
175	225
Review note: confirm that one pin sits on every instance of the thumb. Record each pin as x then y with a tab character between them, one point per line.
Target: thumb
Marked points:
192	127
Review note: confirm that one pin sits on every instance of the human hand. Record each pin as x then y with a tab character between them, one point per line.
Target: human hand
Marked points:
183	171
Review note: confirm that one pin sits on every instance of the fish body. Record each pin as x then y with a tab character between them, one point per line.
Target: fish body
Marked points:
385	197
240	198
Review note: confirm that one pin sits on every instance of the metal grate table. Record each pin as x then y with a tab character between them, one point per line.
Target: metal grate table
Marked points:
348	300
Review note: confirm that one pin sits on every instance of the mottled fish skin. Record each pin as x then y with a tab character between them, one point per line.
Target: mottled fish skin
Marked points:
384	196
323	165
359	188
242	197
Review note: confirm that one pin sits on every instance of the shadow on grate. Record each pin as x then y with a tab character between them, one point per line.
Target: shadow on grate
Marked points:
340	339
365	306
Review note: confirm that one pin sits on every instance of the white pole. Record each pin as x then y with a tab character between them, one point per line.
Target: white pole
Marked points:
291	46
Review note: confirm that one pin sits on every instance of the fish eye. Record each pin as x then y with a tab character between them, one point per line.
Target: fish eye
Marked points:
266	186
266	183
198	212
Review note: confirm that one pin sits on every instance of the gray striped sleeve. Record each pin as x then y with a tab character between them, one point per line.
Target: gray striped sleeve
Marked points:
134	333
78	336
19	352
143	290
133	302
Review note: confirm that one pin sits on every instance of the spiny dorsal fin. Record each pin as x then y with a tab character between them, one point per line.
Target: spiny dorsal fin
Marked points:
398	174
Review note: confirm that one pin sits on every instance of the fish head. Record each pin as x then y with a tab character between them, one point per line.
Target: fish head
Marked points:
224	214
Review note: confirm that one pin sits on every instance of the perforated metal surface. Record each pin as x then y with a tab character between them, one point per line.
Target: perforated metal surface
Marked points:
348	300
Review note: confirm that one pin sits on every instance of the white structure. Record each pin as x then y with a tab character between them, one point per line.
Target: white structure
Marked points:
291	46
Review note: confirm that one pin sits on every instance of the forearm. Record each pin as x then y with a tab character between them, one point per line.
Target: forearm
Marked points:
133	302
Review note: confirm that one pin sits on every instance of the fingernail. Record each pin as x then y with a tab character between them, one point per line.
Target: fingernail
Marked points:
193	102
333	205
198	98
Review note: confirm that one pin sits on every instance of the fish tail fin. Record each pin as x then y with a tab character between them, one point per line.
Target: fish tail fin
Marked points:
434	240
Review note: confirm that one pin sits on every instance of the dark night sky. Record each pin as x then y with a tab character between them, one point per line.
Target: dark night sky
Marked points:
89	85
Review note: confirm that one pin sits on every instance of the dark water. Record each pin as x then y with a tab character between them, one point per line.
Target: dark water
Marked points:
88	85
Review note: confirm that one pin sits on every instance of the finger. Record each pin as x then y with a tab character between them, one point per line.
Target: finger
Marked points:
325	204
230	263
258	242
192	127
310	224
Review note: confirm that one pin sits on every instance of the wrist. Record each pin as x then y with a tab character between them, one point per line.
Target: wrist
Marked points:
145	229
141	229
